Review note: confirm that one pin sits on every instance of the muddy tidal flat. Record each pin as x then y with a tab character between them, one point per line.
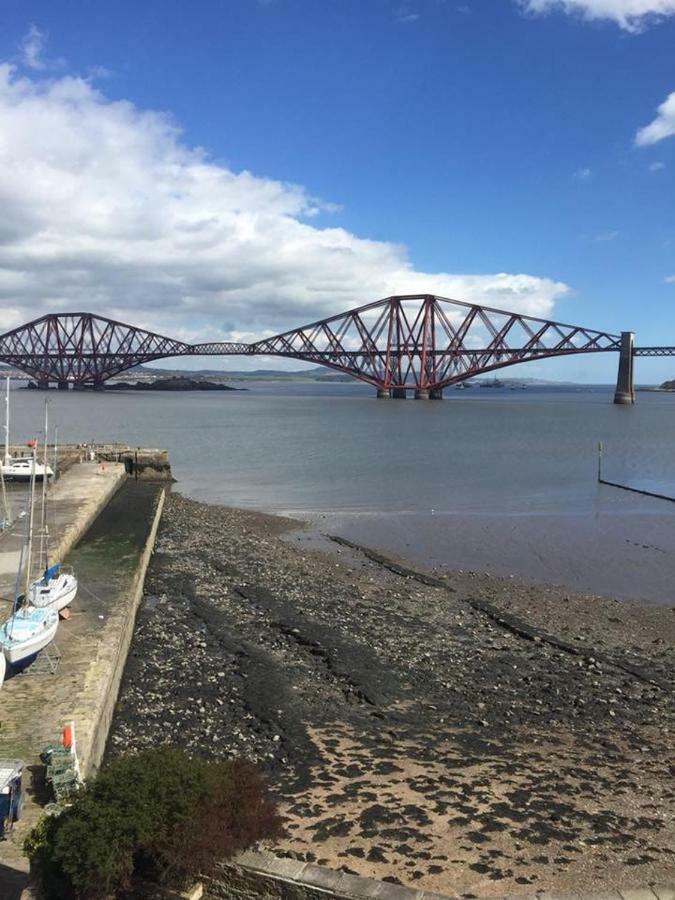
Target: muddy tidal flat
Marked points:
464	734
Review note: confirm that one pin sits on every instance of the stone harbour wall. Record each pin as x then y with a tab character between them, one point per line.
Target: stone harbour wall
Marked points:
96	701
260	875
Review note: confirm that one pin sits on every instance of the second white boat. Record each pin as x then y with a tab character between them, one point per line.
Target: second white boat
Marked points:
56	589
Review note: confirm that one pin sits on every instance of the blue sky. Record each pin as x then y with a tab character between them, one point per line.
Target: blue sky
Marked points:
482	137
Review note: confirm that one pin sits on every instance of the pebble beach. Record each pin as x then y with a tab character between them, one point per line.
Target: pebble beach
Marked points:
459	732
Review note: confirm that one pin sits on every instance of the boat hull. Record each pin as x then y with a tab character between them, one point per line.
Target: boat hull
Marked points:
24	640
23	478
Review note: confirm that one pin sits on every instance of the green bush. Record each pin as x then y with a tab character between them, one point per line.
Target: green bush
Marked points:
160	815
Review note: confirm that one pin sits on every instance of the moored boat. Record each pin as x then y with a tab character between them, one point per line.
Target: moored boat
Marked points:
29	629
56	589
26	632
21	469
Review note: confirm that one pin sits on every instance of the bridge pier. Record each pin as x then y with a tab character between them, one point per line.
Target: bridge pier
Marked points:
398	393
43	385
98	385
436	394
625	391
63	385
383	393
421	394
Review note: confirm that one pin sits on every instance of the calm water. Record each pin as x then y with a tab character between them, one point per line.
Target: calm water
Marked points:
489	479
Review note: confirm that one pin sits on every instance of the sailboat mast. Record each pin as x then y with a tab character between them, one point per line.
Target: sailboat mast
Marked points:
31	517
17	584
6	460
44	538
5	503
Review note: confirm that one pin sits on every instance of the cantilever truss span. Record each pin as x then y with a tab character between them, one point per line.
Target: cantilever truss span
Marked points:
420	342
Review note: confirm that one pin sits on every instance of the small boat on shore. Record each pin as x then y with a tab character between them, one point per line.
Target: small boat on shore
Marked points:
29	629
55	590
57	587
26	632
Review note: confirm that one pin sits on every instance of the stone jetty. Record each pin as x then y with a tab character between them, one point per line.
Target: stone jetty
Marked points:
102	523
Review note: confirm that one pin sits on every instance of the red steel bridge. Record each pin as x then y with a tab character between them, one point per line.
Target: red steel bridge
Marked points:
413	343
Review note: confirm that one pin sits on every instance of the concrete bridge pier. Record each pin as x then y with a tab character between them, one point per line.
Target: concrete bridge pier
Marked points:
421	394
436	394
383	393
42	384
63	385
625	392
398	393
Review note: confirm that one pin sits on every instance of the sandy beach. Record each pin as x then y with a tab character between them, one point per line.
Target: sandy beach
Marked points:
464	733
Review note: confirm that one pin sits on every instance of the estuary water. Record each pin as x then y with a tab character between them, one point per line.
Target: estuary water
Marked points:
490	479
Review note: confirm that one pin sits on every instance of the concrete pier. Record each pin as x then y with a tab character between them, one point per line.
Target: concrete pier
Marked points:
398	393
625	391
383	394
436	394
104	524
421	394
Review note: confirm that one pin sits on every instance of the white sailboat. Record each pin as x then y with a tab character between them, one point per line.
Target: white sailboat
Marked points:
57	587
20	468
29	629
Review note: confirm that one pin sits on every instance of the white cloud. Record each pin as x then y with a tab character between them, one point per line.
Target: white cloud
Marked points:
406	17
657	167
583	174
105	208
661	127
606	236
670	279
631	15
32	48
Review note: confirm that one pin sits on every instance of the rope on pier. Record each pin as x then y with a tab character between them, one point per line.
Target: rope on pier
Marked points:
625	487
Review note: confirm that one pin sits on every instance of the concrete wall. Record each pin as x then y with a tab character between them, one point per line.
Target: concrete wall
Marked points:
260	875
148	464
96	699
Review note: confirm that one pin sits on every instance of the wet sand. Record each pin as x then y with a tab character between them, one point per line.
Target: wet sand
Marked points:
462	733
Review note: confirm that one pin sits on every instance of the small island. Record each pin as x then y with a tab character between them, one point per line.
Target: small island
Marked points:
176	383
667	386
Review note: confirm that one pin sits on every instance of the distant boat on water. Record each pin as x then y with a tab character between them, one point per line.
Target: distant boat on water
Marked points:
21	468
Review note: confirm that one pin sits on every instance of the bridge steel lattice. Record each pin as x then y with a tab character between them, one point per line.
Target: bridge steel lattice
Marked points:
411	343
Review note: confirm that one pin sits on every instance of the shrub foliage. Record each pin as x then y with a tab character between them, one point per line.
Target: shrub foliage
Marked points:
160	815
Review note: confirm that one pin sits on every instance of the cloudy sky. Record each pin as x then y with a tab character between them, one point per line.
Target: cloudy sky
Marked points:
235	168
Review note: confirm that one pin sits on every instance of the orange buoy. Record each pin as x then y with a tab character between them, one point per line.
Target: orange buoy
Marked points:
67	737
